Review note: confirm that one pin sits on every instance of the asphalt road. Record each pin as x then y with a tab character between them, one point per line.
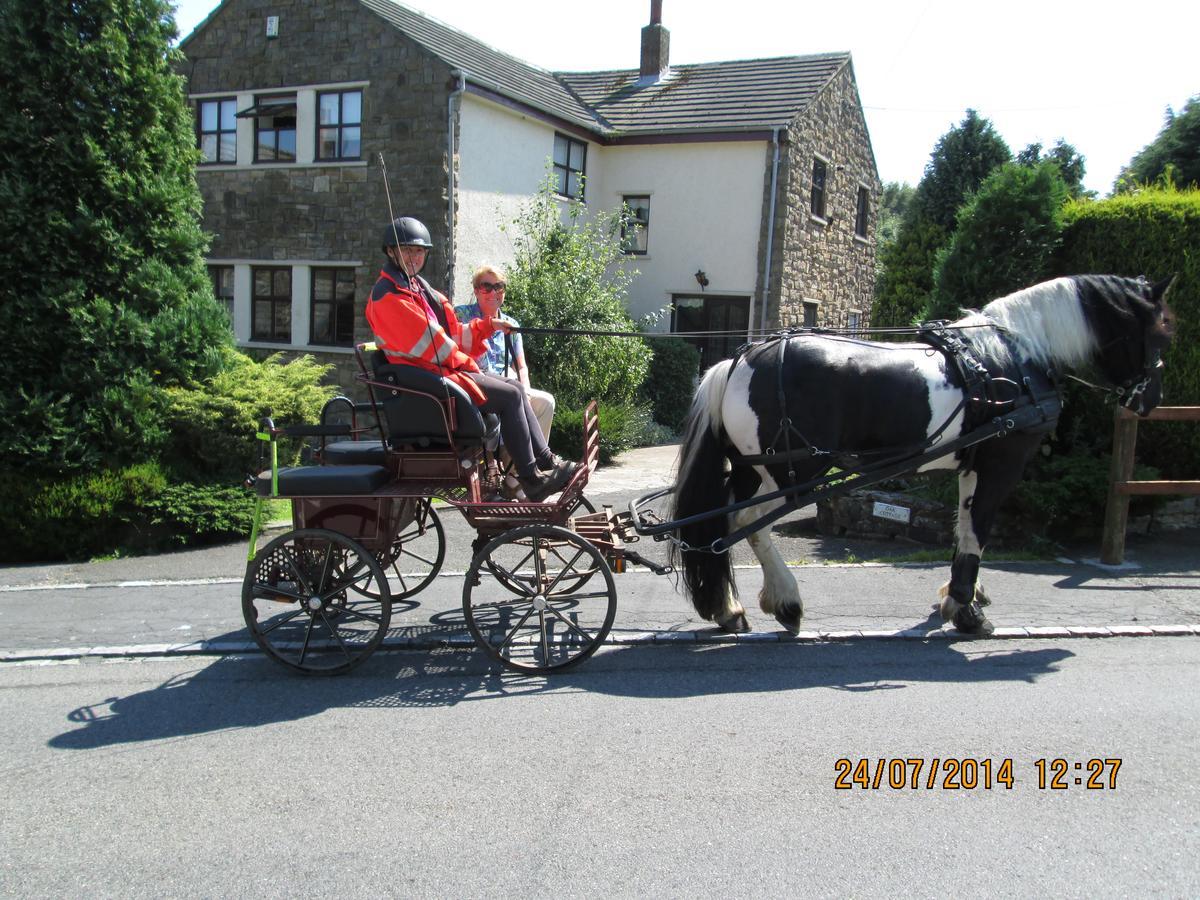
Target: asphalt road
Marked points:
691	770
144	752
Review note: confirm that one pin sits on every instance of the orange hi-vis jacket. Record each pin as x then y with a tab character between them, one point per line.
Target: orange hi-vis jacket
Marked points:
407	328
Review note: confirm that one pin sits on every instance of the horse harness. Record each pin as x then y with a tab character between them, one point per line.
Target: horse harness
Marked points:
995	406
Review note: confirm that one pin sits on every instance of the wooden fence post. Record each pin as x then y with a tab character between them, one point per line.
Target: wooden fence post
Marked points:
1116	512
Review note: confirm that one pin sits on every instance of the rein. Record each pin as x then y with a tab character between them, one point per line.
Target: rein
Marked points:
762	334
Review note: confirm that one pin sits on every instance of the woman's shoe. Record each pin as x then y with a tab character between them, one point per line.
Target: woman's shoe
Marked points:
550	463
542	485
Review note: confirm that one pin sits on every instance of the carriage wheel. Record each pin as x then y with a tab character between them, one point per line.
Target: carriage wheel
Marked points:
316	601
415	555
572	582
550	624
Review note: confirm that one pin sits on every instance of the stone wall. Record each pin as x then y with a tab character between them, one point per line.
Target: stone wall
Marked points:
824	261
326	212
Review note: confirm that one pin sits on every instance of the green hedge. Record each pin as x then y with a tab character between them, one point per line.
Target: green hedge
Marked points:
671	381
138	509
1154	232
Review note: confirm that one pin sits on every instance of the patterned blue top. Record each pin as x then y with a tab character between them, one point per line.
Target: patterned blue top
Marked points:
492	361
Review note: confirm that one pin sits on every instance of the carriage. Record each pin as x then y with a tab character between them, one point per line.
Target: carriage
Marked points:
976	395
539	594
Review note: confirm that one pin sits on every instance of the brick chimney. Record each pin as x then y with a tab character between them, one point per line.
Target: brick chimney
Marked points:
656	44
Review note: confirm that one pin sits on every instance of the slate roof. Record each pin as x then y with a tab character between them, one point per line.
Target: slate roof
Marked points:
744	95
724	96
487	66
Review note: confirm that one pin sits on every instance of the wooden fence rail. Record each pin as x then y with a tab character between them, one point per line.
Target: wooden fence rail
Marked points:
1121	484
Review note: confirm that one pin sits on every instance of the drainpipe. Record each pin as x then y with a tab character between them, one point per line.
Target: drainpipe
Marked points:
766	279
455	94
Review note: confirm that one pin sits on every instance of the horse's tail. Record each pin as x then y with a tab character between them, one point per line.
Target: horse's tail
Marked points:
702	485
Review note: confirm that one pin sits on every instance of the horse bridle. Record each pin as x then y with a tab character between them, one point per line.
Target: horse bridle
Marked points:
1129	391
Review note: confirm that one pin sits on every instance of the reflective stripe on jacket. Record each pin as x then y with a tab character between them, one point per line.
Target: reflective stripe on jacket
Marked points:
407	329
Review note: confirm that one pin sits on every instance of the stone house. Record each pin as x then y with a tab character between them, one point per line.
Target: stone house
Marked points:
754	180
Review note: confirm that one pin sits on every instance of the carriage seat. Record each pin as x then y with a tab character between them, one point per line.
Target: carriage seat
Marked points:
350	453
414	419
324	481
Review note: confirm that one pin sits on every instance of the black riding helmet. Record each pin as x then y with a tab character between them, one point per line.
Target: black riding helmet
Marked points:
406	232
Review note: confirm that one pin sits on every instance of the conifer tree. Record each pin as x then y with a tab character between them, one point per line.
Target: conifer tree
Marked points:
104	292
962	158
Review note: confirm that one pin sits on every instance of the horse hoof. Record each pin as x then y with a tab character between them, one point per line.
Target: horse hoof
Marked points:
984	599
789	617
970	619
735	624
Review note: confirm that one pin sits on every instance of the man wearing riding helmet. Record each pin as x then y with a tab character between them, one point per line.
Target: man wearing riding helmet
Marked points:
415	325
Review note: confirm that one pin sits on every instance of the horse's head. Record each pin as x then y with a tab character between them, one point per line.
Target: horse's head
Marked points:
1134	330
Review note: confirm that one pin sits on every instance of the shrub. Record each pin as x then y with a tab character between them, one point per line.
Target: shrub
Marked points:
193	495
213	426
138	509
622	426
671	380
573	276
1006	236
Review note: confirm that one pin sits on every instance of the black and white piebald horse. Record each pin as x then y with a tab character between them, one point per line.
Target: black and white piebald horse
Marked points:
977	395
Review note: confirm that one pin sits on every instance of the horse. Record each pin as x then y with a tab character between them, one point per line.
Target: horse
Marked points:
976	395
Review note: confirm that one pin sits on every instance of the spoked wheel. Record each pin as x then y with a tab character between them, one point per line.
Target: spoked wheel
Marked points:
572	581
550	624
416	554
316	601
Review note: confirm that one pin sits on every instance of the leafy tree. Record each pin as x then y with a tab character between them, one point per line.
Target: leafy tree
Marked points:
1007	235
1071	165
893	205
573	276
962	158
106	299
1176	148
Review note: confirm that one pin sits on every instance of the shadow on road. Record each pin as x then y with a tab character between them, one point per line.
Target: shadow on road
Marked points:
249	691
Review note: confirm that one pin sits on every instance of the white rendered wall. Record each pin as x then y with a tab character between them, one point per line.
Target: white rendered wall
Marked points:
705	203
705	213
502	161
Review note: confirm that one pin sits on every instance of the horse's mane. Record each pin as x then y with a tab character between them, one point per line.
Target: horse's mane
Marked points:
1046	322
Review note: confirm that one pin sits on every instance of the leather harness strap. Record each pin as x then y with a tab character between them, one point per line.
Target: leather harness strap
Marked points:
982	396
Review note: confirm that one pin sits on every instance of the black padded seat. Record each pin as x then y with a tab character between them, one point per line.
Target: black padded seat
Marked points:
415	419
324	481
350	453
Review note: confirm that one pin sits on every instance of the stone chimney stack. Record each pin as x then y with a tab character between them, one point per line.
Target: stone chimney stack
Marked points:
656	44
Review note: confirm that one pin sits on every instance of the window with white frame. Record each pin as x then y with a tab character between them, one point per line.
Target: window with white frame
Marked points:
853	320
271	304
216	130
862	212
570	157
339	125
635	230
331	322
820	174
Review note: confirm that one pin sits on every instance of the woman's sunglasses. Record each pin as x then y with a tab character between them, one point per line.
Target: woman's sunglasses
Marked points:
487	287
